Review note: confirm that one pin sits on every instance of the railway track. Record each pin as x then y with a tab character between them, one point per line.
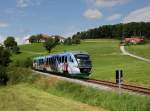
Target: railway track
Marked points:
132	88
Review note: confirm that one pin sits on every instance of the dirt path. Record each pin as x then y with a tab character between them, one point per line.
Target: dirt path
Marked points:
132	55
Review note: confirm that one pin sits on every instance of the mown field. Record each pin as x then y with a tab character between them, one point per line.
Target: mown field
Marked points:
106	58
141	50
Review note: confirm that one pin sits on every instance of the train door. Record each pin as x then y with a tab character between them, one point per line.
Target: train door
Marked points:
62	64
72	66
65	65
48	68
55	64
59	64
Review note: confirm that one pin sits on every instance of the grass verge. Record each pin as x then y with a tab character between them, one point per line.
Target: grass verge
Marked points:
107	100
24	97
32	95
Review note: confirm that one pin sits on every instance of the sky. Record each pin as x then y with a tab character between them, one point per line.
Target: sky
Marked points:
22	18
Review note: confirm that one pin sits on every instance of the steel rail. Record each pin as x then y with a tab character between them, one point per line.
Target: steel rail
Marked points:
133	88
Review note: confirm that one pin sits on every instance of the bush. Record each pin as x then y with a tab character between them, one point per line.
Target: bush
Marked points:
4	56
3	76
19	74
76	40
16	50
23	63
68	41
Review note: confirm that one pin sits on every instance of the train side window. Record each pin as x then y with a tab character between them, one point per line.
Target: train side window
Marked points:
49	60
59	59
46	61
53	59
41	61
65	59
62	59
70	59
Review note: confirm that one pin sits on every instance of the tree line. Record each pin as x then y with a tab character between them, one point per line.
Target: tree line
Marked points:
140	29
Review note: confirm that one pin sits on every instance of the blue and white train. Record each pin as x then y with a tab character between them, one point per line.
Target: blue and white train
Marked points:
75	64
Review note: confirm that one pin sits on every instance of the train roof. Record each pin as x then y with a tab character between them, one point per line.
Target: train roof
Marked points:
61	54
78	52
67	53
39	57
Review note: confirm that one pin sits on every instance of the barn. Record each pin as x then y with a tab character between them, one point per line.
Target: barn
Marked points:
134	40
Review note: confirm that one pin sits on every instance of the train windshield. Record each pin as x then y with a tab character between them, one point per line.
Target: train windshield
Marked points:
83	60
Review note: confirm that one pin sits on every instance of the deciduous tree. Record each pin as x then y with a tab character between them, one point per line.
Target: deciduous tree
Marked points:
50	44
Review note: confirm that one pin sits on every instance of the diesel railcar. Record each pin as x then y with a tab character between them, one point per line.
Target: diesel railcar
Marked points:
75	64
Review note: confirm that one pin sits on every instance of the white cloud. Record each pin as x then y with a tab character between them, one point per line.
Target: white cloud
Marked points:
93	14
22	40
2	38
114	17
3	24
139	15
26	3
23	3
106	3
19	39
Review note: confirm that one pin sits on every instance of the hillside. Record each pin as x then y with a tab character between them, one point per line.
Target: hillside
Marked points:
106	58
24	97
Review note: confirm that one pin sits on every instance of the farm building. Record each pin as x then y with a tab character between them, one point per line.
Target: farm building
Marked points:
42	38
134	40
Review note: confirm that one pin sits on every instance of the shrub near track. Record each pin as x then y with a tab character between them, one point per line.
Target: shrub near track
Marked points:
18	74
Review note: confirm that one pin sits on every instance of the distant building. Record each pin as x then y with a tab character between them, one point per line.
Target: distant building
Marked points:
44	37
61	39
134	40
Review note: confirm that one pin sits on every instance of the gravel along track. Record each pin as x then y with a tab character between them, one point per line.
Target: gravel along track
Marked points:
137	89
103	85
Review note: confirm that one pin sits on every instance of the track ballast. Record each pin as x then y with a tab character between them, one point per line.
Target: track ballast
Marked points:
132	88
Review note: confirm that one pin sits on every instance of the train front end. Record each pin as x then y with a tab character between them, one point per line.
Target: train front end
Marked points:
84	64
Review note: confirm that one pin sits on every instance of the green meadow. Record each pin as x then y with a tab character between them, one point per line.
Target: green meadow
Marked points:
106	58
141	50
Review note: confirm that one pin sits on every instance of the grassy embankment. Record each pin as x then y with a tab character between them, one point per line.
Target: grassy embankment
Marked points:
26	91
35	92
24	97
106	58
